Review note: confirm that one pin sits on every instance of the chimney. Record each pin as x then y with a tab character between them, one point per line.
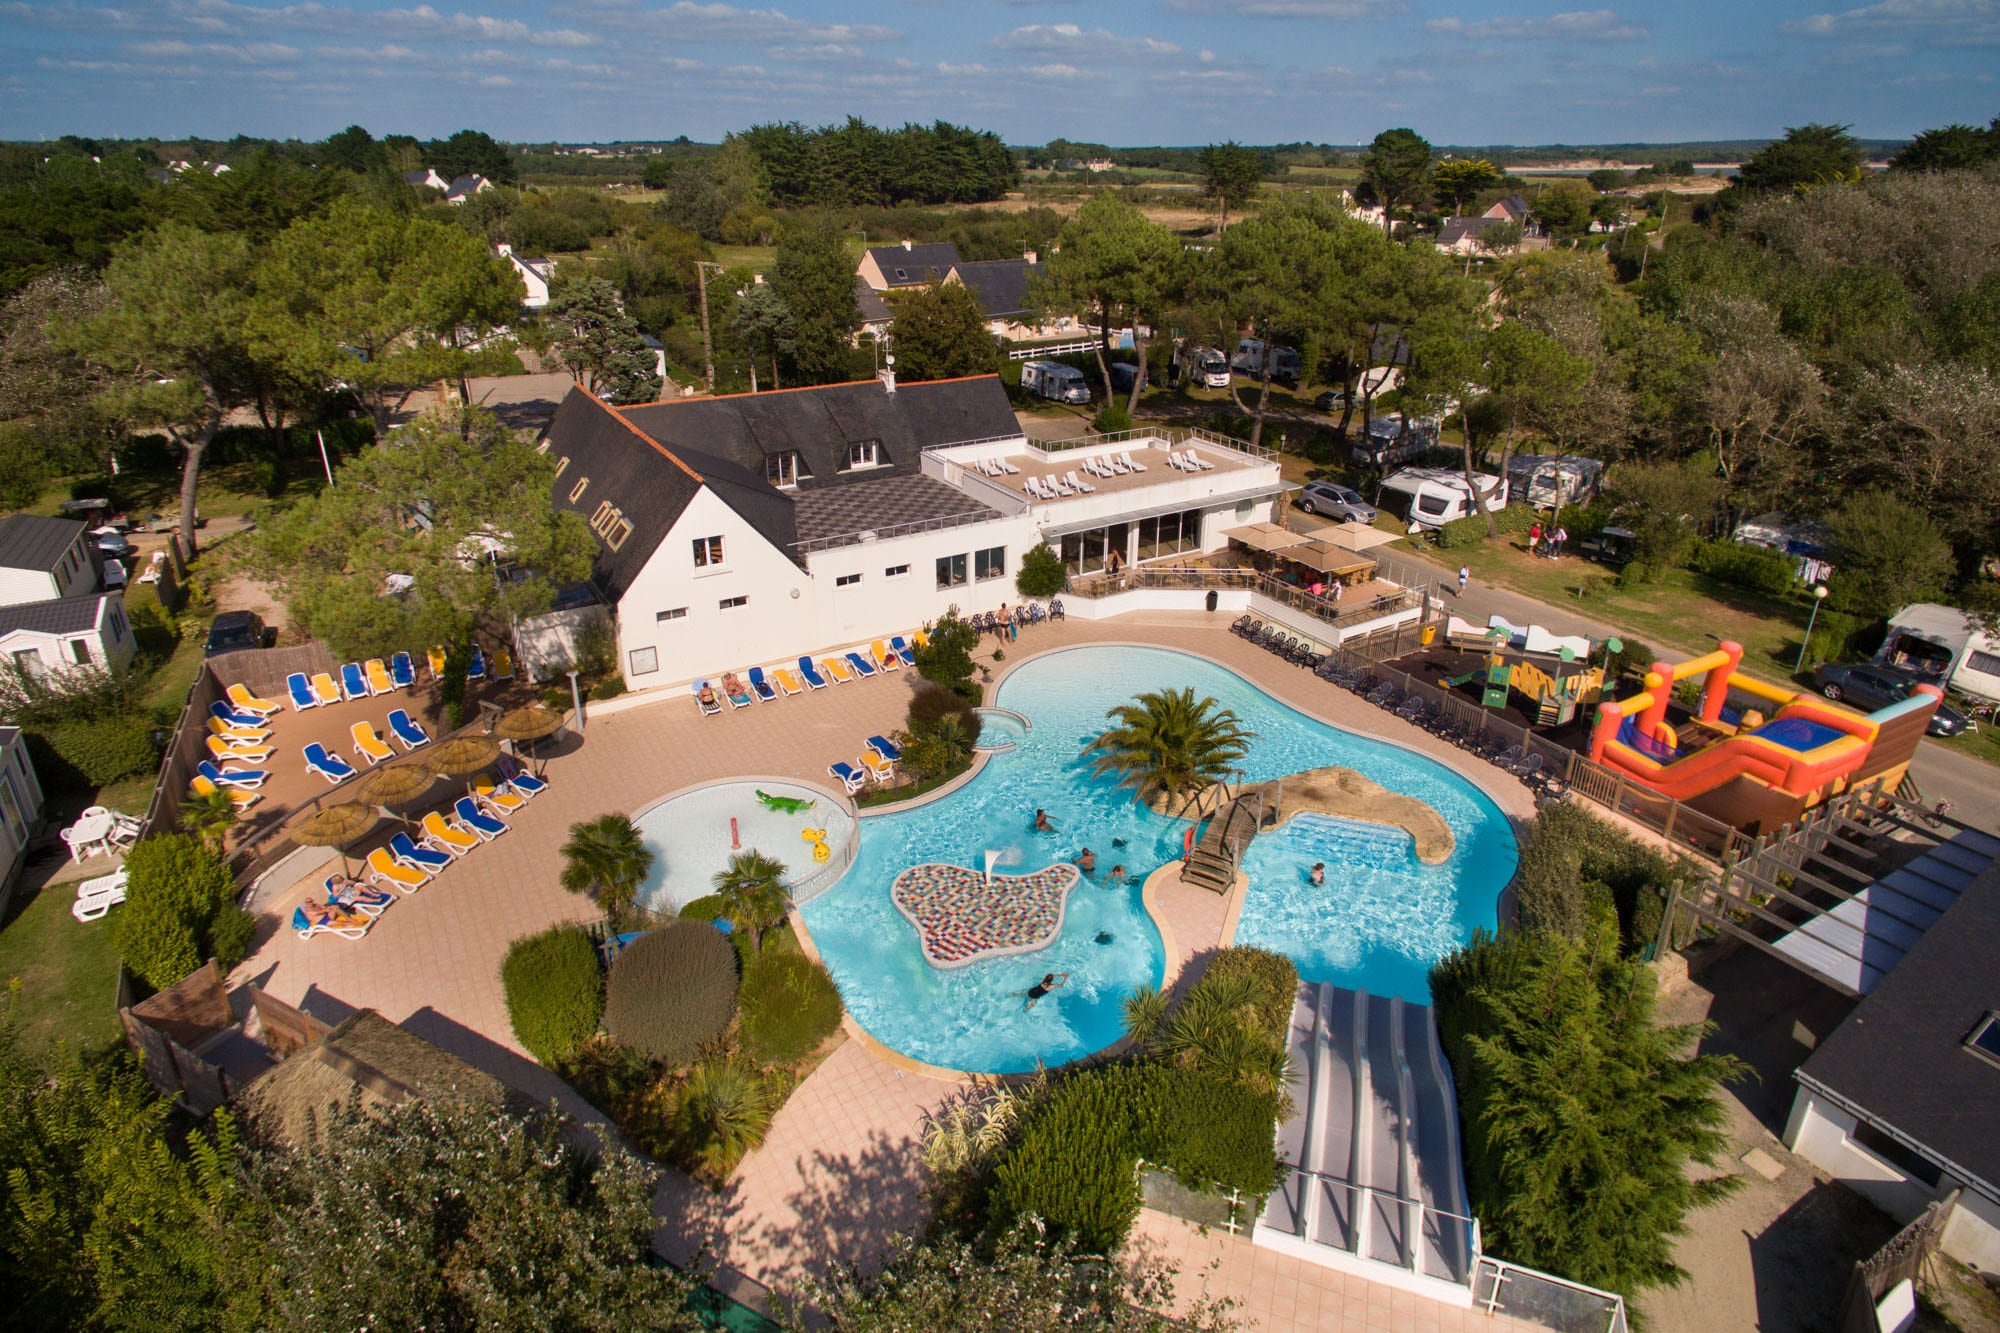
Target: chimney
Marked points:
908	244
1031	256
888	373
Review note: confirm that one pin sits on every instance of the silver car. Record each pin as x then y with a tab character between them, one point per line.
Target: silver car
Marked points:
1336	502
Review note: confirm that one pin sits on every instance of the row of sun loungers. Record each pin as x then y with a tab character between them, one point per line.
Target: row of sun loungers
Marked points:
756	686
1187	460
364	680
877	763
369	747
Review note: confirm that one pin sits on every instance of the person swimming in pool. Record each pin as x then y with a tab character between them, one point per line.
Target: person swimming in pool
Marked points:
1042	824
1053	981
1318	874
1117	875
1086	861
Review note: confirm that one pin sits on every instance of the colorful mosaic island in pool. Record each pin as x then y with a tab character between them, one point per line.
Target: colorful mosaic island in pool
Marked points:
963	916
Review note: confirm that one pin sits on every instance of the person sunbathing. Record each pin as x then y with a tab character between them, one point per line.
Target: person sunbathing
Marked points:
707	696
733	684
320	914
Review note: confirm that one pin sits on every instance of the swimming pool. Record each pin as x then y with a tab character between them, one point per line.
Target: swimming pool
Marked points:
691	838
1378	922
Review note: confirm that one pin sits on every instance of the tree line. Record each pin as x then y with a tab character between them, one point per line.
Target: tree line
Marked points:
835	166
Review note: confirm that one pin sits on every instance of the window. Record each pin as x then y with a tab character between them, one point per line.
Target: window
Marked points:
990	563
951	571
30	662
864	453
1896	1154
895	571
645	661
707	552
678	613
576	491
1985	1039
562	464
1432	504
117	619
782	469
79	652
1985	662
847	580
902	275
611	524
731	603
619	531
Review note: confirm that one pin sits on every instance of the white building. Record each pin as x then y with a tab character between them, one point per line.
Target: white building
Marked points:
43	637
427	179
535	275
759	527
20	806
464	187
43	558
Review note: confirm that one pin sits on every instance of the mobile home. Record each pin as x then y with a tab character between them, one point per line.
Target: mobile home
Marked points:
1544	480
1944	643
1249	360
1430	497
1054	380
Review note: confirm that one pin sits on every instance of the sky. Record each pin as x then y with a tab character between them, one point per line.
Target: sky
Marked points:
1123	72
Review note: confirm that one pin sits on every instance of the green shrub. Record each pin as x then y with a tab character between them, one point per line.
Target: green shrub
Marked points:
672	990
723	1112
1578	871
609	688
930	704
1041	573
555	991
1273	977
179	909
1112	417
1471	530
1752	568
708	907
154	631
790	1005
1633	659
1635	574
105	750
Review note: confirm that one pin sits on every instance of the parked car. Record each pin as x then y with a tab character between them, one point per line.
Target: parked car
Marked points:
233	631
1338	502
1333	400
111	542
1868	686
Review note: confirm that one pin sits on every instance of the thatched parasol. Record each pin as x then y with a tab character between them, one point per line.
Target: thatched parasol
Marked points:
530	723
396	788
463	757
336	826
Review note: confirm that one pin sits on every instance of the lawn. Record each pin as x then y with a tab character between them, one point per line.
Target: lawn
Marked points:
66	970
758	258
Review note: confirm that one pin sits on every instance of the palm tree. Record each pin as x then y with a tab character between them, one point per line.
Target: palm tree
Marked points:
1166	743
723	1112
209	815
1216	1029
606	857
753	892
1146	1019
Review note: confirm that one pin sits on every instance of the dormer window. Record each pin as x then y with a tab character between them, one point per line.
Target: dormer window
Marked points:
864	453
902	275
782	470
562	465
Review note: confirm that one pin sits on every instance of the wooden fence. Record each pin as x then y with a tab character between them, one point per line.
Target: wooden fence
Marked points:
168	1029
1902	1258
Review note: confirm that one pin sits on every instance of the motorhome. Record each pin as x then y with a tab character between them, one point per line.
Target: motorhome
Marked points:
1054	380
1249	360
1206	367
1430	497
1546	480
1386	443
1946	645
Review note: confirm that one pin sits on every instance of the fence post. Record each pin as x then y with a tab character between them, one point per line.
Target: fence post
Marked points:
1667	830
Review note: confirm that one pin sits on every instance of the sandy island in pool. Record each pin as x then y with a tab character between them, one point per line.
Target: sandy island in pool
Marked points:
1345	794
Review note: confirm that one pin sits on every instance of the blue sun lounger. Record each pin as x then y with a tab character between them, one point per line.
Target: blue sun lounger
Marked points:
814	681
475	820
902	650
403	671
885	747
476	670
862	666
242	777
224	713
759	684
301	691
427	859
406	729
352	682
850	776
329	766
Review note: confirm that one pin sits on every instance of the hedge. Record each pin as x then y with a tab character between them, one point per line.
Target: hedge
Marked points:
1577	870
180	908
790	1005
103	750
555	991
1075	1163
671	990
1749	567
1471	530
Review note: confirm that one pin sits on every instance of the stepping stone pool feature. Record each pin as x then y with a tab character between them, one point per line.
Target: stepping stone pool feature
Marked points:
963	916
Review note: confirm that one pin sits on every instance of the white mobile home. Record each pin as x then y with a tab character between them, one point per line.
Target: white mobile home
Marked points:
20	805
52	636
1946	643
43	558
1543	480
1054	380
1430	497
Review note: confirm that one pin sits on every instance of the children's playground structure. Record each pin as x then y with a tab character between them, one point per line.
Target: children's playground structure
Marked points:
1740	766
1555	688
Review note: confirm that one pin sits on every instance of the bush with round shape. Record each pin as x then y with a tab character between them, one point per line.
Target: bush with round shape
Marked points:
672	990
555	991
1041	574
179	909
790	1005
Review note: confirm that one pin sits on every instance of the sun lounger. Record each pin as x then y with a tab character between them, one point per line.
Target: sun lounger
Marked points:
435	660
352	682
445	838
503	664
499	800
1131	462
885	747
861	665
357	897
474	820
325	688
95	897
761	686
878	768
1079	482
347	925
788	680
710	706
402	671
738	694
249	703
231	777
810	674
884	656
231	731
406	729
850	776
242	800
521	780
417	858
476	669
229	717
837	671
301	692
378	676
902	649
329	766
920	638
383	870
225	753
368	746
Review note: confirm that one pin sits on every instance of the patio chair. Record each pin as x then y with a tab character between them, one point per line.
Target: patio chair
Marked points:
850	777
763	688
249	703
884	657
1529	769
334	921
415	857
499	800
368	746
406	729
402	671
353	897
862	666
524	782
878	768
1007	467
245	778
476	668
837	671
444	838
301	692
325	688
95	897
229	717
384	870
225	753
435	660
810	674
1509	757
1131	462
327	764
474	820
788	680
353	682
710	706
885	747
900	646
242	800
1200	464
379	681
1241	624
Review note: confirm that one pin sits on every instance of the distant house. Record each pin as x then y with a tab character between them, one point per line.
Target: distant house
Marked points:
893	268
43	558
427	179
20	806
876	316
1514	208
65	632
463	188
1001	288
536	275
1465	236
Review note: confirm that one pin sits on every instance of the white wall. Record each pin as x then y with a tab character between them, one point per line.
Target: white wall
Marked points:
109	646
20	807
74	576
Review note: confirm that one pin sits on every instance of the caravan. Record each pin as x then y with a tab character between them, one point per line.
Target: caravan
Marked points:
1944	644
1054	380
1430	497
1548	480
1249	360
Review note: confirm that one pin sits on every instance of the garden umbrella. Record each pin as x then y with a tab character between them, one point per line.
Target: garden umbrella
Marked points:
396	788
529	723
463	757
336	826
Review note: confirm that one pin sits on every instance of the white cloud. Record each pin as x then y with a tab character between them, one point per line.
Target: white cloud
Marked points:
1291	9
818	51
686	21
226	16
1975	19
1053	71
1060	39
248	53
387	52
68	16
1591	25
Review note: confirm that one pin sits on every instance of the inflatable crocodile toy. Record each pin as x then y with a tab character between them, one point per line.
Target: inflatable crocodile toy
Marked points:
789	805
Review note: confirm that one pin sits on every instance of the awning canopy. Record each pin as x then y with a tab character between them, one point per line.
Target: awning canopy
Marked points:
1265	537
1352	536
1327	559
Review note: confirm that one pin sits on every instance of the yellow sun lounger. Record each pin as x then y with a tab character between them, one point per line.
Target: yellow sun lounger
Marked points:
446	838
378	676
788	680
436	659
325	688
236	735
884	659
385	871
225	751
836	669
504	803
239	798
372	748
240	696
878	768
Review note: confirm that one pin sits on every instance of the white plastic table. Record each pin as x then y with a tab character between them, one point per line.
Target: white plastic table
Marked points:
93	832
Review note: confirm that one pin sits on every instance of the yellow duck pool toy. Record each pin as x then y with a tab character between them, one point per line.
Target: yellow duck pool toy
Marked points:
817	837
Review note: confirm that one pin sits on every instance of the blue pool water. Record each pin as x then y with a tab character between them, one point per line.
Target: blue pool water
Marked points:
1379	921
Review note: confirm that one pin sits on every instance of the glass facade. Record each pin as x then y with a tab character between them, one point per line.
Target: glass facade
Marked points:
1157	538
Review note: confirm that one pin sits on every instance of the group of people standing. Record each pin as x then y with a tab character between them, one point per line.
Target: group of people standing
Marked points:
1548	542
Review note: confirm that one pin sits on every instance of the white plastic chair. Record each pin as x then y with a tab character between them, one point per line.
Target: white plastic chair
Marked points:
1131	462
1006	467
1079	482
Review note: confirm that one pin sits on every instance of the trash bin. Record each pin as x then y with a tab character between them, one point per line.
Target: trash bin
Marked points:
1428	636
1214	599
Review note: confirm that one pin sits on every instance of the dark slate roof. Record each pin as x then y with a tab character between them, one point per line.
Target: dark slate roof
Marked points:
624	468
58	615
1473	227
1900	1057
874	310
29	541
1001	285
1514	206
915	264
840	511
